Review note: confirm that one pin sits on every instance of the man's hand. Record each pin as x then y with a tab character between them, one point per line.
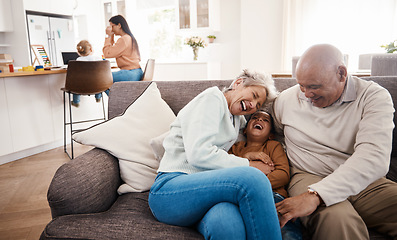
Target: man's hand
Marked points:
298	206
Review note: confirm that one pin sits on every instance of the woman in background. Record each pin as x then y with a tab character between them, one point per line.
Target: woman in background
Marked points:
125	50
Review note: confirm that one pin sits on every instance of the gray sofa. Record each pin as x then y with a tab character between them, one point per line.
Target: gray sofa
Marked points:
83	193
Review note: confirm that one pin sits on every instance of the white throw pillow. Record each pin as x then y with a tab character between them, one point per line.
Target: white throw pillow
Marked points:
157	145
127	137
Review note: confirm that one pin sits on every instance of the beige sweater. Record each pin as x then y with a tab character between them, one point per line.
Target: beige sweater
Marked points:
127	58
347	143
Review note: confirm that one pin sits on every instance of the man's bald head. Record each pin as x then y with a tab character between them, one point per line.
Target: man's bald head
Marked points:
321	74
322	57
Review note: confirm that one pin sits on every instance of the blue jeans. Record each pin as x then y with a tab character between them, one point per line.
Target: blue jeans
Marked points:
126	75
76	97
291	230
230	203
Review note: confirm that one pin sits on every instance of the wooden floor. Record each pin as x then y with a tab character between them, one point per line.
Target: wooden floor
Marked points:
24	210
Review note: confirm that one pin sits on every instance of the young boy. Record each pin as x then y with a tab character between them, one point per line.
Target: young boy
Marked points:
268	156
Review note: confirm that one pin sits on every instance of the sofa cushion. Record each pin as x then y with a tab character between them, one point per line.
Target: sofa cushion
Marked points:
127	138
175	93
128	218
87	184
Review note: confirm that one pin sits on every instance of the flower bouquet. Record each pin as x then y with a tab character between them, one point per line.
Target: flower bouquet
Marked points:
195	42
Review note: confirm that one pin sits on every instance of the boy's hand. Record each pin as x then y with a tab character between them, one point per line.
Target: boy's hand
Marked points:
265	168
259	156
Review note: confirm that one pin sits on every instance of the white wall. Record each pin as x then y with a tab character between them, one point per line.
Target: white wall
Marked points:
261	35
64	7
18	38
90	12
229	39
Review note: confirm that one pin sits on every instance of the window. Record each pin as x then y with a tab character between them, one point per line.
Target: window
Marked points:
202	13
107	7
161	26
193	14
359	27
121	7
112	8
184	14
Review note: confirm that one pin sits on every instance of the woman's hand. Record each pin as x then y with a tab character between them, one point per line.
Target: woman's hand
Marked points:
259	156
109	30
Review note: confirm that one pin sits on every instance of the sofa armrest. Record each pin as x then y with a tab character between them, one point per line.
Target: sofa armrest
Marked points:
86	184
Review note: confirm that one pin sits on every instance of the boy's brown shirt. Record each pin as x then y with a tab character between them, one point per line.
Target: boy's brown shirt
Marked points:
280	176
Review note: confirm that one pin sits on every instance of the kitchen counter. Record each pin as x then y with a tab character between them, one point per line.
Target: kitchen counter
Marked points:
32	73
31	110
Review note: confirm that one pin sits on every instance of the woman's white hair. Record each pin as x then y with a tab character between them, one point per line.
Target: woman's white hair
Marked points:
251	78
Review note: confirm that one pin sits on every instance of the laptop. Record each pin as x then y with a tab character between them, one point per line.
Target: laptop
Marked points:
67	56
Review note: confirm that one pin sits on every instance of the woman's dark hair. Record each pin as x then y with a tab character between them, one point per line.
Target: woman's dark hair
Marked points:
124	25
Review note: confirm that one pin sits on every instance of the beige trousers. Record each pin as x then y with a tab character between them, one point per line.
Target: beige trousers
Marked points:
375	207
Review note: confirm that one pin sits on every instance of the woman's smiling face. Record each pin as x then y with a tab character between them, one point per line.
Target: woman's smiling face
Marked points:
245	100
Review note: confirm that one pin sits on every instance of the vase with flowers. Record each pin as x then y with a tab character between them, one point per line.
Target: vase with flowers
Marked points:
391	47
195	42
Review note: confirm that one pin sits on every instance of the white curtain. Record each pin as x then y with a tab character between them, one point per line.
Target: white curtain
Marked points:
354	26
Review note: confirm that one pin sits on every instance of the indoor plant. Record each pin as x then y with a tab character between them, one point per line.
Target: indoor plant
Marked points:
211	38
391	47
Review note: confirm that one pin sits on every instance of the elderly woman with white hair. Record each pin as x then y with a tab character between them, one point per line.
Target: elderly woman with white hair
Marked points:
199	184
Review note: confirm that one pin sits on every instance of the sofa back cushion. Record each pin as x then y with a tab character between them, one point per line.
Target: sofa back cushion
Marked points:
175	93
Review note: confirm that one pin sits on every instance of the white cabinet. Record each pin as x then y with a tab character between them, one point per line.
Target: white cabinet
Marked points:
5	16
199	14
31	114
5	128
38	5
50	6
29	111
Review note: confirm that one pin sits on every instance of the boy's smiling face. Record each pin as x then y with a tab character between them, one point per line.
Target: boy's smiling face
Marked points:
259	127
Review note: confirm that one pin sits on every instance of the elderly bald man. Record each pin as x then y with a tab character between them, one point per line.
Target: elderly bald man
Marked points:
338	136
